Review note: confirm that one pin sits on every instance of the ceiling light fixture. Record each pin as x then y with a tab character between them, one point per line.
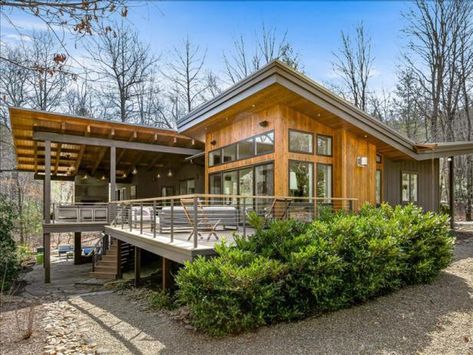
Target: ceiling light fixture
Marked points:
170	173
134	171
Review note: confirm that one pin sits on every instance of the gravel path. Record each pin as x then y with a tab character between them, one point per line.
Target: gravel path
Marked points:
428	319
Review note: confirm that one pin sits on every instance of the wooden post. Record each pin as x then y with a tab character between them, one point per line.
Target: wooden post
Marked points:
113	184
137	266
77	248
166	273
119	259
47	210
451	187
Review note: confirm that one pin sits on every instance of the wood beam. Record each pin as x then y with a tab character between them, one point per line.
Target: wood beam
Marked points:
113	173
38	176
79	159
58	158
166	273
47	211
73	139
99	160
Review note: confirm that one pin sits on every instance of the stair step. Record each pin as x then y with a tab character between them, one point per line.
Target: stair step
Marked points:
103	275
105	268
105	262
109	258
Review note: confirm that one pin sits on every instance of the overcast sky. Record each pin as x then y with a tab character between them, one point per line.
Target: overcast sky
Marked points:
312	27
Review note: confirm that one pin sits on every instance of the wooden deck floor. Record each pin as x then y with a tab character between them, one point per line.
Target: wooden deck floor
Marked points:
180	249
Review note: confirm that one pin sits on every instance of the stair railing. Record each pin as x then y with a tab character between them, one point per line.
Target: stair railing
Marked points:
100	249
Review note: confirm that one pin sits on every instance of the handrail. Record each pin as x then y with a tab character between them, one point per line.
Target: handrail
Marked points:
100	249
194	216
178	197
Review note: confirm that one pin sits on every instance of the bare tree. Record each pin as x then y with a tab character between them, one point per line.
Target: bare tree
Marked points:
123	63
354	64
47	86
269	45
186	75
81	17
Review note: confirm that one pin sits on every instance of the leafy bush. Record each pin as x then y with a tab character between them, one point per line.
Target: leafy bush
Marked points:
9	265
291	270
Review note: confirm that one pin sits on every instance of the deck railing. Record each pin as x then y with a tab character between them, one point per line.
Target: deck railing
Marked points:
80	213
197	217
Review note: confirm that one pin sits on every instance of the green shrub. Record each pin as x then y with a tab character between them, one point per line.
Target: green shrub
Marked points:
9	265
161	300
291	270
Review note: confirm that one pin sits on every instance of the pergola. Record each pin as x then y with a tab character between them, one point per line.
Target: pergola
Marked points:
58	147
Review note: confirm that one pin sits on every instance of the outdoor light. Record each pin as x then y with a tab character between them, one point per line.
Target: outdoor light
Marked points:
170	173
263	123
362	161
85	177
213	142
102	178
124	175
158	176
134	171
449	159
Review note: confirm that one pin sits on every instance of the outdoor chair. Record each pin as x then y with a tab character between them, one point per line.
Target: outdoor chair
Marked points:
279	209
202	223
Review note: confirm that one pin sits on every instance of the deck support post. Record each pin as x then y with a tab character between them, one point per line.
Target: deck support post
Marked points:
119	258
166	273
47	210
451	188
137	266
77	248
113	184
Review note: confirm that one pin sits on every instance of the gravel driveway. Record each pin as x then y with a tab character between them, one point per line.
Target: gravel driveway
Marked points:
427	319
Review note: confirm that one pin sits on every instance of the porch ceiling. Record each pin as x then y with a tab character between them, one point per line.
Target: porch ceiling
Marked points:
91	153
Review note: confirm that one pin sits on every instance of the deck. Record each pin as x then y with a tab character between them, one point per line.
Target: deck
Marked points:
179	250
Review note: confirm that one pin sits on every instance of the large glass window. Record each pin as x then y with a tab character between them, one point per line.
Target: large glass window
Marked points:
324	180
324	145
187	187
246	148
264	180
230	183
301	142
379	186
301	178
215	157
246	183
265	143
409	187
215	184
229	153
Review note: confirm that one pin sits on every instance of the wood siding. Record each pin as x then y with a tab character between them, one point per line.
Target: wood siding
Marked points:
349	180
428	184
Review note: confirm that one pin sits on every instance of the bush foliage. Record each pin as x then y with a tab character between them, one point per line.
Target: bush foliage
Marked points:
9	264
292	270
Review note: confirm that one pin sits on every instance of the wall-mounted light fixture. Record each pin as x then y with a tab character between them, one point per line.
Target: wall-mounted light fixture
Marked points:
102	178
213	142
362	161
264	123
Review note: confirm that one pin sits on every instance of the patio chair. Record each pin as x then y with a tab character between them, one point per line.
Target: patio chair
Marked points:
203	222
279	209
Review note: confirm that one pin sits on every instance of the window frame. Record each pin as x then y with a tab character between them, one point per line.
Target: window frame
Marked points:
381	177
253	138
317	152
312	164
410	173
331	180
299	151
252	166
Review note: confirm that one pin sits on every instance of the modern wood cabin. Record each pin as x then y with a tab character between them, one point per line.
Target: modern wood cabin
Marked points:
277	143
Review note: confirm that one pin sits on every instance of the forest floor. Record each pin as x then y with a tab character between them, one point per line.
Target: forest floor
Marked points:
426	319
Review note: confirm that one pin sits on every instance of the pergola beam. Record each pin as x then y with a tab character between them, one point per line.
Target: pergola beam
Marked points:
104	142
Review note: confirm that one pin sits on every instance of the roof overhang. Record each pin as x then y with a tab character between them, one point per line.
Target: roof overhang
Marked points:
81	144
280	75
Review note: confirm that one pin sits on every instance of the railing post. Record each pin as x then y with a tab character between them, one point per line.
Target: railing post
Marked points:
141	218
244	218
196	231
130	217
154	219
172	220
122	215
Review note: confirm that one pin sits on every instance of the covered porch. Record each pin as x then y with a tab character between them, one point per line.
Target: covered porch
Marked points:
106	161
